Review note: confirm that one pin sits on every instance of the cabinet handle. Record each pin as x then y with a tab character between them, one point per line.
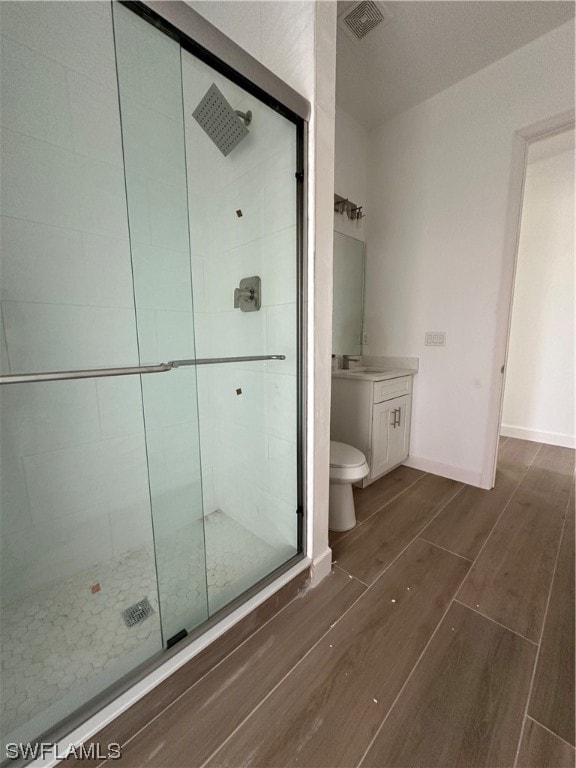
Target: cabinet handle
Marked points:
393	422
399	415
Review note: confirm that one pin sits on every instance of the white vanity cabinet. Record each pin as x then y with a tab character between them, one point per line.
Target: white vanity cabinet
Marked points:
373	415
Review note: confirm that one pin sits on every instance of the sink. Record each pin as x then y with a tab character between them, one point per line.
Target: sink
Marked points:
372	373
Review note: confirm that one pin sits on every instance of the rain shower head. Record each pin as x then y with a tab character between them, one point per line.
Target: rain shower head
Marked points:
223	125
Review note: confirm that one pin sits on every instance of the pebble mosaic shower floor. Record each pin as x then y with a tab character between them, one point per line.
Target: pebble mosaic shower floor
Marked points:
64	640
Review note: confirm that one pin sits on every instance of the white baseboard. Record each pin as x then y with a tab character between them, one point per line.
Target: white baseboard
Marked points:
321	567
552	438
445	470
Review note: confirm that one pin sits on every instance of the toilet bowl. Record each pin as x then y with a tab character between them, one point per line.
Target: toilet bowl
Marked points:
347	466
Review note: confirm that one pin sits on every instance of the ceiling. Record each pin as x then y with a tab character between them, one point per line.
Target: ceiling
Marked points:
428	46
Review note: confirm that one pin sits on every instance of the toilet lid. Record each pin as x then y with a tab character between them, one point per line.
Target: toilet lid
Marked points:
343	455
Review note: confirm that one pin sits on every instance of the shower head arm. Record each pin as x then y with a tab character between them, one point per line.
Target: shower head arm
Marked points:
246	117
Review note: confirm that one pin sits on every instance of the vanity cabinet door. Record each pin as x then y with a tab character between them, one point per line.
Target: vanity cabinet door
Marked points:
401	433
390	434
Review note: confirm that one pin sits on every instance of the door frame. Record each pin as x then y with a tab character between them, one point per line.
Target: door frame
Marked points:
520	141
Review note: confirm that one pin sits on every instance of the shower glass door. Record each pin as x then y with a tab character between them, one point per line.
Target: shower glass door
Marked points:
152	120
135	507
211	201
243	224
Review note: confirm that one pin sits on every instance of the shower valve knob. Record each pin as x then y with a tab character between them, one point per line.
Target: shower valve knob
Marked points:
247	297
242	294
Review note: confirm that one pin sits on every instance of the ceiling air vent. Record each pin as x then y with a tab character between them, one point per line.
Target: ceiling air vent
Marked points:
362	19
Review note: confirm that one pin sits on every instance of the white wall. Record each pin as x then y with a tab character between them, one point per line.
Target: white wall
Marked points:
539	390
278	33
320	256
438	193
350	171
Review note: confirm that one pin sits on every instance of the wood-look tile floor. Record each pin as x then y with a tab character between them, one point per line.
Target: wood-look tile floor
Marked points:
444	636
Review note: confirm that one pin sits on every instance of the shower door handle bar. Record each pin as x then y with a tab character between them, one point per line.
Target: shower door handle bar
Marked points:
90	373
217	360
96	373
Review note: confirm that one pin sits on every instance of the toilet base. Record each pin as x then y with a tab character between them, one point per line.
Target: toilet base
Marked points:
341	514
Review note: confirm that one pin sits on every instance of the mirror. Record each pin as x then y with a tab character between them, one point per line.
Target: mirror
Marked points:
348	295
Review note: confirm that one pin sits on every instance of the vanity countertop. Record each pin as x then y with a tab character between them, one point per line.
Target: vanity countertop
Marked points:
373	375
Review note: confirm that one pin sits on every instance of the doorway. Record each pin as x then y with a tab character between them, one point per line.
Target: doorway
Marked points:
538	402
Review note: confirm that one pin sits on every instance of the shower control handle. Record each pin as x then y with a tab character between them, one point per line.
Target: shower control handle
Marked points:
248	295
240	293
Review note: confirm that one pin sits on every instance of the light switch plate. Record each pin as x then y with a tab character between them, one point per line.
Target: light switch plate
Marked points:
435	338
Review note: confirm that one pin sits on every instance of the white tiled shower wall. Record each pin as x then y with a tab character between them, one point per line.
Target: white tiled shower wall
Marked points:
247	411
74	480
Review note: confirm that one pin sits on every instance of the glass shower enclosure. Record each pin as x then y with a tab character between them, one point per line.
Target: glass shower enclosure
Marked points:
150	356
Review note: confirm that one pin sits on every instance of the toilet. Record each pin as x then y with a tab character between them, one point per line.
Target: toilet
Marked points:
347	466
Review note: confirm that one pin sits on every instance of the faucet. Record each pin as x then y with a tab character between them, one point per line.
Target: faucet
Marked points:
346	359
